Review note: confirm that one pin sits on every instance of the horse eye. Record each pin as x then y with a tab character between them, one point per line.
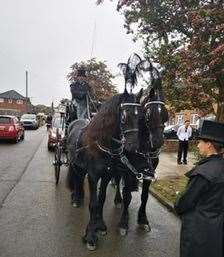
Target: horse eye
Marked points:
148	113
123	116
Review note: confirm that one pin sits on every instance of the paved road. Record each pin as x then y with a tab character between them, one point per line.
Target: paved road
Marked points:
37	220
14	159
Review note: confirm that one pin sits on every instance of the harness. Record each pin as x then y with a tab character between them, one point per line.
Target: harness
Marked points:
119	152
148	156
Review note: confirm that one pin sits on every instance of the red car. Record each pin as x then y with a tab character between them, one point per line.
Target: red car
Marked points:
57	124
11	128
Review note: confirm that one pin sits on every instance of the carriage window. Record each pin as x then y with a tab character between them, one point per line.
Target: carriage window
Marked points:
57	123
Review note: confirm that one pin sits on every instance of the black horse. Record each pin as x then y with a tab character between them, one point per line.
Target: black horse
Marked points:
95	147
147	158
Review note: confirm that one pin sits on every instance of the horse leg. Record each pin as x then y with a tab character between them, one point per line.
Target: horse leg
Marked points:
77	196
118	198
101	226
142	217
90	237
123	224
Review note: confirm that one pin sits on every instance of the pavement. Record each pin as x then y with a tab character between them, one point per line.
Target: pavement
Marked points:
168	167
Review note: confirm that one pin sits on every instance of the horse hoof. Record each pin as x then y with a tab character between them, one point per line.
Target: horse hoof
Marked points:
145	227
118	205
75	205
123	231
91	247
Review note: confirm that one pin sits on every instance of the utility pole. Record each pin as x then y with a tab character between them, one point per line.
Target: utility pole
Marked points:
26	91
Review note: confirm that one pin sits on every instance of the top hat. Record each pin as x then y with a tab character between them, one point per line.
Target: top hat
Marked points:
212	131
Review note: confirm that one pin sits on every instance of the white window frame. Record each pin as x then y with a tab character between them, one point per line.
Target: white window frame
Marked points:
19	101
171	121
10	101
194	118
1	100
180	119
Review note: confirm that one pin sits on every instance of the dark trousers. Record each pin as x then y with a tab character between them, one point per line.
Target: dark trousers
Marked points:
182	150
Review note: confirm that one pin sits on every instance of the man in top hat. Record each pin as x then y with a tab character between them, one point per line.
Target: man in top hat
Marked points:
80	91
201	205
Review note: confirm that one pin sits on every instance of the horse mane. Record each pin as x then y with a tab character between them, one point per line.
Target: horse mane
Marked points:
104	124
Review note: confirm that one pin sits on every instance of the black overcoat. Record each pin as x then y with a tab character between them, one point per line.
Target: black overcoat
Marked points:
201	208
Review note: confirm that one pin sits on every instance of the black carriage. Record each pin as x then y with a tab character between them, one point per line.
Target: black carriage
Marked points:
60	153
68	113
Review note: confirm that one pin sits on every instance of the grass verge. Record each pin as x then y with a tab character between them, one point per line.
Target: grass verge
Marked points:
167	188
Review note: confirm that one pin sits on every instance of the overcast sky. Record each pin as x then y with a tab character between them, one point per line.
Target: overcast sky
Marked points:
46	36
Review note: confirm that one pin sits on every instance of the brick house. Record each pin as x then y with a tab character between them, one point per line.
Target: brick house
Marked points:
183	115
194	116
13	103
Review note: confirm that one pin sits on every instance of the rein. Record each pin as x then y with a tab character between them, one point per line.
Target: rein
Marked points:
112	153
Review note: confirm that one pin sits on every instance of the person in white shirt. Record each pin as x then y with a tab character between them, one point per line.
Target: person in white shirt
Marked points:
184	132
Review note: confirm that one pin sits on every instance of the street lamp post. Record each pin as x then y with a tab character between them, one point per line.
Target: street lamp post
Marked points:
26	91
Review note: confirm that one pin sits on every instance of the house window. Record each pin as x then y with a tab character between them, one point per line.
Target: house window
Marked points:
10	101
19	101
194	118
1	100
171	121
180	119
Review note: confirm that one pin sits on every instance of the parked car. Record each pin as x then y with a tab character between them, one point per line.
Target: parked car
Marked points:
57	124
11	128
29	121
170	132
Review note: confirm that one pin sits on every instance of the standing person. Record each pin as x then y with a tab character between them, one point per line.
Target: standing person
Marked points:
184	132
80	91
201	206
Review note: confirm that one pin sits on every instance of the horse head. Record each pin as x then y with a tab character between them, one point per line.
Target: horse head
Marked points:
115	127
155	113
130	111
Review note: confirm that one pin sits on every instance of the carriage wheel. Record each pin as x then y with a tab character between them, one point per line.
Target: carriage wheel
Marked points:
57	164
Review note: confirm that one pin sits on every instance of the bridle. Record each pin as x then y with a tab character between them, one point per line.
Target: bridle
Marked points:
154	102
153	154
126	131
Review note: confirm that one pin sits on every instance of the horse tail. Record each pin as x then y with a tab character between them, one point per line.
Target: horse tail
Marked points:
70	180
